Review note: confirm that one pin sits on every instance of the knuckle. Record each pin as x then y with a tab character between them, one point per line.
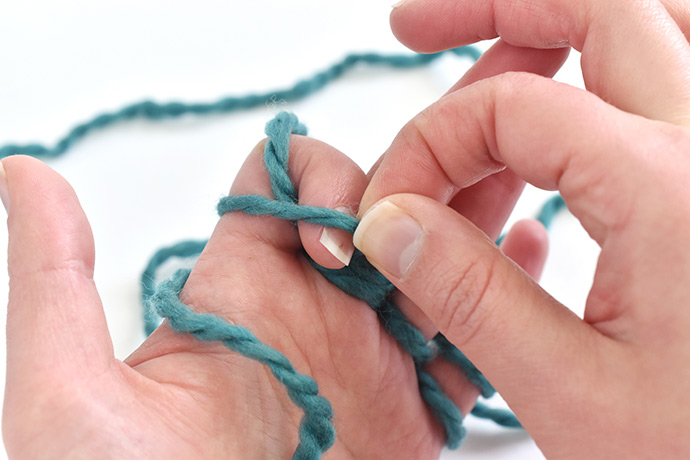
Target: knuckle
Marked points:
509	82
463	293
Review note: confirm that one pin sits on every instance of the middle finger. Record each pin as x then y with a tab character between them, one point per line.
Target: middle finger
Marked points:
633	53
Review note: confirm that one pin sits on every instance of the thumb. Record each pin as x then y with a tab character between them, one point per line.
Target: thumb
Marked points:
515	333
56	328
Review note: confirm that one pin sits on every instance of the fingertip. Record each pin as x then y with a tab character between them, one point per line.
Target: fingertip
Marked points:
430	27
527	244
406	28
47	221
530	231
339	244
329	247
331	181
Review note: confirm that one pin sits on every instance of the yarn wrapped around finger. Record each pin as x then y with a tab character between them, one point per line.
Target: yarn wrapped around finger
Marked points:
359	279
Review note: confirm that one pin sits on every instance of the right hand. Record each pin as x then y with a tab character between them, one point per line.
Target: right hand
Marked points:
614	384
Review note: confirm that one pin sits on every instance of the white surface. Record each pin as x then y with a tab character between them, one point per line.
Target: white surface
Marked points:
145	185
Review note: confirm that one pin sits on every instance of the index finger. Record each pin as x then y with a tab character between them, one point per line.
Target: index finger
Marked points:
511	121
633	53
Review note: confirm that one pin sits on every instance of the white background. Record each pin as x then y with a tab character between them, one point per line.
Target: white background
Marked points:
145	185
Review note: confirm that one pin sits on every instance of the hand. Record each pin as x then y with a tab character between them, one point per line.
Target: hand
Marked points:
176	397
615	383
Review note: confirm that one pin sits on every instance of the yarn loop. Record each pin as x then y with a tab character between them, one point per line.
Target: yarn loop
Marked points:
359	279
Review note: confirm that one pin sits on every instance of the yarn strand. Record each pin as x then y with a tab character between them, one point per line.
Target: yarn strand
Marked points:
155	111
359	279
362	281
316	432
179	250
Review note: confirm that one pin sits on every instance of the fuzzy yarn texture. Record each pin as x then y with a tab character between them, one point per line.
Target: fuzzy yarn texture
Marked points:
360	279
156	111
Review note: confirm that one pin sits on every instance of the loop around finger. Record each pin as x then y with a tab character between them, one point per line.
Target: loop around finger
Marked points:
323	177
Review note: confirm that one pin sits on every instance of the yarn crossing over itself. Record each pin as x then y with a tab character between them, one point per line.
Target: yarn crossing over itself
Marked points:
359	279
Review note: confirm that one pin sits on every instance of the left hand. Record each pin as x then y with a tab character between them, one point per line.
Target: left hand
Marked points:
175	397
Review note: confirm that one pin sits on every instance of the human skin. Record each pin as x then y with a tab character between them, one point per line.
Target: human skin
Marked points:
614	384
174	397
67	396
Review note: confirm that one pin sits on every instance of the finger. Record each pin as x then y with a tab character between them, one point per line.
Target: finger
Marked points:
511	120
498	193
680	11
478	299
323	177
330	180
503	57
527	244
489	202
583	148
635	57
55	322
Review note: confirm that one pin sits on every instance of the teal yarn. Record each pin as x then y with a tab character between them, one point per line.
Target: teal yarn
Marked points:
360	279
499	416
155	111
181	250
450	353
259	205
316	432
548	211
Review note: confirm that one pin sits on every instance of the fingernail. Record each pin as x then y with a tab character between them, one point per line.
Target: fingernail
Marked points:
399	4
337	242
389	237
4	193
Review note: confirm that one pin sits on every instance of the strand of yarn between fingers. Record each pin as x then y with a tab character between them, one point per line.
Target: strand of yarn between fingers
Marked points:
360	279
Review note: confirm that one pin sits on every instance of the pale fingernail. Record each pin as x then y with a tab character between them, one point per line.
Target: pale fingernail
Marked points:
4	192
389	237
338	243
399	4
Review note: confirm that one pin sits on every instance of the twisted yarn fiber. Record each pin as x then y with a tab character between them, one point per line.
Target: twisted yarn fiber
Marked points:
156	111
316	432
362	281
359	279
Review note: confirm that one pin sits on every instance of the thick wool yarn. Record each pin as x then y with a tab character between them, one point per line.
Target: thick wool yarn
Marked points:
360	279
155	111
